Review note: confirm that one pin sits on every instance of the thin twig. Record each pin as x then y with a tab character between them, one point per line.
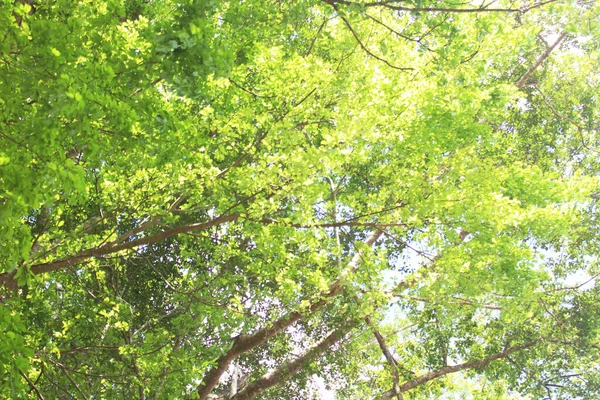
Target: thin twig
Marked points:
137	91
403	243
312	44
360	43
483	9
260	139
64	369
580	128
245	90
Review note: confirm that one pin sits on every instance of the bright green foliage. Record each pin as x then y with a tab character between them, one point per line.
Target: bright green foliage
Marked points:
176	176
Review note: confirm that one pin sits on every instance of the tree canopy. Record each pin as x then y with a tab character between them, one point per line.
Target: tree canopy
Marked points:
270	199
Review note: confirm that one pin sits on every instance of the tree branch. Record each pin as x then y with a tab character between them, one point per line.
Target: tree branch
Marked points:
64	370
391	5
245	343
262	137
312	44
8	279
456	368
334	4
579	127
523	81
388	356
290	368
340	224
32	385
369	52
456	300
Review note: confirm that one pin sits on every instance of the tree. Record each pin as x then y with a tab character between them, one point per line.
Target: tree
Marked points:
236	199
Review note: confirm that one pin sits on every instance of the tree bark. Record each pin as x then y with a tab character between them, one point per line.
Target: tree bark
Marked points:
388	356
245	343
8	279
523	81
290	368
456	368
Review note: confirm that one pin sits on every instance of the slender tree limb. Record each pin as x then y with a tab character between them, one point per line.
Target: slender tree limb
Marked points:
454	300
246	90
113	247
119	244
523	80
312	43
388	356
386	352
536	5
392	6
89	348
149	223
21	144
579	127
261	138
139	90
134	365
370	214
32	385
369	52
576	287
340	224
245	343
392	30
70	378
403	243
459	367
555	111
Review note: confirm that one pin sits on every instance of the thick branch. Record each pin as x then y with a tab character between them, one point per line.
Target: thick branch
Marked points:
7	279
245	343
456	368
523	81
290	368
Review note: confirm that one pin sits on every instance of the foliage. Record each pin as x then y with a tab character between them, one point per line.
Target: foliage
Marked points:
204	199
